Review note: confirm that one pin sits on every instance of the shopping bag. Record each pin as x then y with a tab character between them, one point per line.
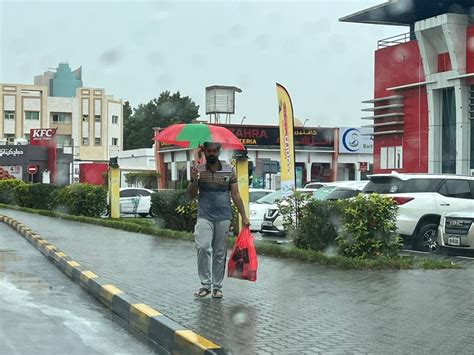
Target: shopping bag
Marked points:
243	262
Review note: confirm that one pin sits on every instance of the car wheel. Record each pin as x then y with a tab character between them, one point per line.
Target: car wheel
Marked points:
425	239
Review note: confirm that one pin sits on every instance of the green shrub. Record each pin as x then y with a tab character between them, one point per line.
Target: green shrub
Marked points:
44	196
22	195
319	225
164	205
369	228
8	191
82	200
292	209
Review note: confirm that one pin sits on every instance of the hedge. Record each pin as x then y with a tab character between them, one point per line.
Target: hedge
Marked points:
77	199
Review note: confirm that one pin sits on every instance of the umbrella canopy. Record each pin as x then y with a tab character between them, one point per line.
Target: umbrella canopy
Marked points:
192	135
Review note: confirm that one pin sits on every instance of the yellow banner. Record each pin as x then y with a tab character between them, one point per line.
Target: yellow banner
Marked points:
287	147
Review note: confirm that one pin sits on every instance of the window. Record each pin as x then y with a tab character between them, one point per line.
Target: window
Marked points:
128	193
97	118
114	141
10	138
9	115
63	140
85	141
420	185
32	115
383	185
85	118
391	157
60	118
97	141
448	142
114	119
456	189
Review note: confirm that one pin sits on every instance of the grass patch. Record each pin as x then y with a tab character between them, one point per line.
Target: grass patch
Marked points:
146	226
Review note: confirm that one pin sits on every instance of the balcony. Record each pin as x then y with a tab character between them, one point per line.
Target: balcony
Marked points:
395	40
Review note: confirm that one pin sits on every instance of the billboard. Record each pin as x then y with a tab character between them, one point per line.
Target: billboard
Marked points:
11	172
356	140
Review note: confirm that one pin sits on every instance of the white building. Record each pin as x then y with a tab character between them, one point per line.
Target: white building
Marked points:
134	161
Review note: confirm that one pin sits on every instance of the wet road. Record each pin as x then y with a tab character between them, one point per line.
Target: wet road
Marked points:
43	312
293	308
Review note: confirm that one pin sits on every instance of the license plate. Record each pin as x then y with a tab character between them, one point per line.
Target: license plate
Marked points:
267	223
454	241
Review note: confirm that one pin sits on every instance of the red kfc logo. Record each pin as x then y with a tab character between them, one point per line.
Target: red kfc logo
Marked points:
42	136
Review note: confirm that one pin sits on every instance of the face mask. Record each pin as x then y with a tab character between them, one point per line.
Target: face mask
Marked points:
211	159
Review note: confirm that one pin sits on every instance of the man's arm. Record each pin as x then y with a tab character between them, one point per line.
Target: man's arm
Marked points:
234	191
193	186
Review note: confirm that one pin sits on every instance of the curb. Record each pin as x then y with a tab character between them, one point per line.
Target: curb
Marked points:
166	334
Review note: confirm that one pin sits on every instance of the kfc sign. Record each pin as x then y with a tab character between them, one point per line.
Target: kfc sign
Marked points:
42	136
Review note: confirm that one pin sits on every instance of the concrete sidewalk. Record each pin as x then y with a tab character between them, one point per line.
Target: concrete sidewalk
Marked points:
292	308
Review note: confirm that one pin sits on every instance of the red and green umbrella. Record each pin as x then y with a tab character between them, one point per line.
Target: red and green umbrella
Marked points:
193	135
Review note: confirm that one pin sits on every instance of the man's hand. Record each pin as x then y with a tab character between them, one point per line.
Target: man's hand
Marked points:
245	222
194	175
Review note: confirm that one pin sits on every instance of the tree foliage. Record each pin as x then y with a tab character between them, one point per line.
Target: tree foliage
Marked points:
163	111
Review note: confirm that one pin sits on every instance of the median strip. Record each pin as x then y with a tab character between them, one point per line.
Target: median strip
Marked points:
167	335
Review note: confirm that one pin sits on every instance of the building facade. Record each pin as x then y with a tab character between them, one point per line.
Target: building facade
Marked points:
321	154
423	104
87	120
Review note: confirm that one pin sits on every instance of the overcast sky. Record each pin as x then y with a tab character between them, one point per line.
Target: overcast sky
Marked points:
136	49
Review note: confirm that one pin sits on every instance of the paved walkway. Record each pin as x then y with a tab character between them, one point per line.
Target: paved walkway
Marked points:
43	312
293	308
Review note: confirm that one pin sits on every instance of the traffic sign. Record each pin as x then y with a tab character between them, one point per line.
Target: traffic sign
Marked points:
32	169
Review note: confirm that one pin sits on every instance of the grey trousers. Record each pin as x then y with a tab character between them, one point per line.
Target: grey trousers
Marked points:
211	243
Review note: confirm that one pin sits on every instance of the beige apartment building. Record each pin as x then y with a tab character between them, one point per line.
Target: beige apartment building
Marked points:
88	120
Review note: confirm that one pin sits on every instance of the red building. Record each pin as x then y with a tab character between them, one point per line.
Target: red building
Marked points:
423	104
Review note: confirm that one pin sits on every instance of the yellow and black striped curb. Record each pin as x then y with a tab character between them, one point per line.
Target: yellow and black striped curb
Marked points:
169	336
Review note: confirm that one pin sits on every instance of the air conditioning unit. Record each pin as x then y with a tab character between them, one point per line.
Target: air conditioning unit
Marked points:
3	141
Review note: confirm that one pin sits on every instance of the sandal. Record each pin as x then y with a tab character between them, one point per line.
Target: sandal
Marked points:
216	293
202	292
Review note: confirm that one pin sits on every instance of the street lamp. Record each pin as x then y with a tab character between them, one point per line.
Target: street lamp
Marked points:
243	119
306	120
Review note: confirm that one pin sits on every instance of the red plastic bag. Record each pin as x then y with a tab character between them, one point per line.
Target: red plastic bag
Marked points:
243	262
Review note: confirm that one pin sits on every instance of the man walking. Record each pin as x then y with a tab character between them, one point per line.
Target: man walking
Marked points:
214	183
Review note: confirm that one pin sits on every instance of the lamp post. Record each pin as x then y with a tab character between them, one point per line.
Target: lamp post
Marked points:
243	119
306	120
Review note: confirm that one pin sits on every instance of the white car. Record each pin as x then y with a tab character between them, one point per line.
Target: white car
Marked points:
135	200
257	194
273	220
422	199
456	232
259	207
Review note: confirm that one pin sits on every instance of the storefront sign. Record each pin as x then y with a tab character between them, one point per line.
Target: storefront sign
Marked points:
11	172
356	141
321	138
42	136
11	152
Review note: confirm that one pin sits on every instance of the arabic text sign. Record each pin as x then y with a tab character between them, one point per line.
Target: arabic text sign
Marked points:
11	152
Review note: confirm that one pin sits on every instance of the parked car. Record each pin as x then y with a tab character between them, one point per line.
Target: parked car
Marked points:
135	200
315	185
259	207
256	194
422	199
340	190
456	231
273	220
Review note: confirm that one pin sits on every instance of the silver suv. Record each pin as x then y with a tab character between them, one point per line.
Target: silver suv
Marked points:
456	231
